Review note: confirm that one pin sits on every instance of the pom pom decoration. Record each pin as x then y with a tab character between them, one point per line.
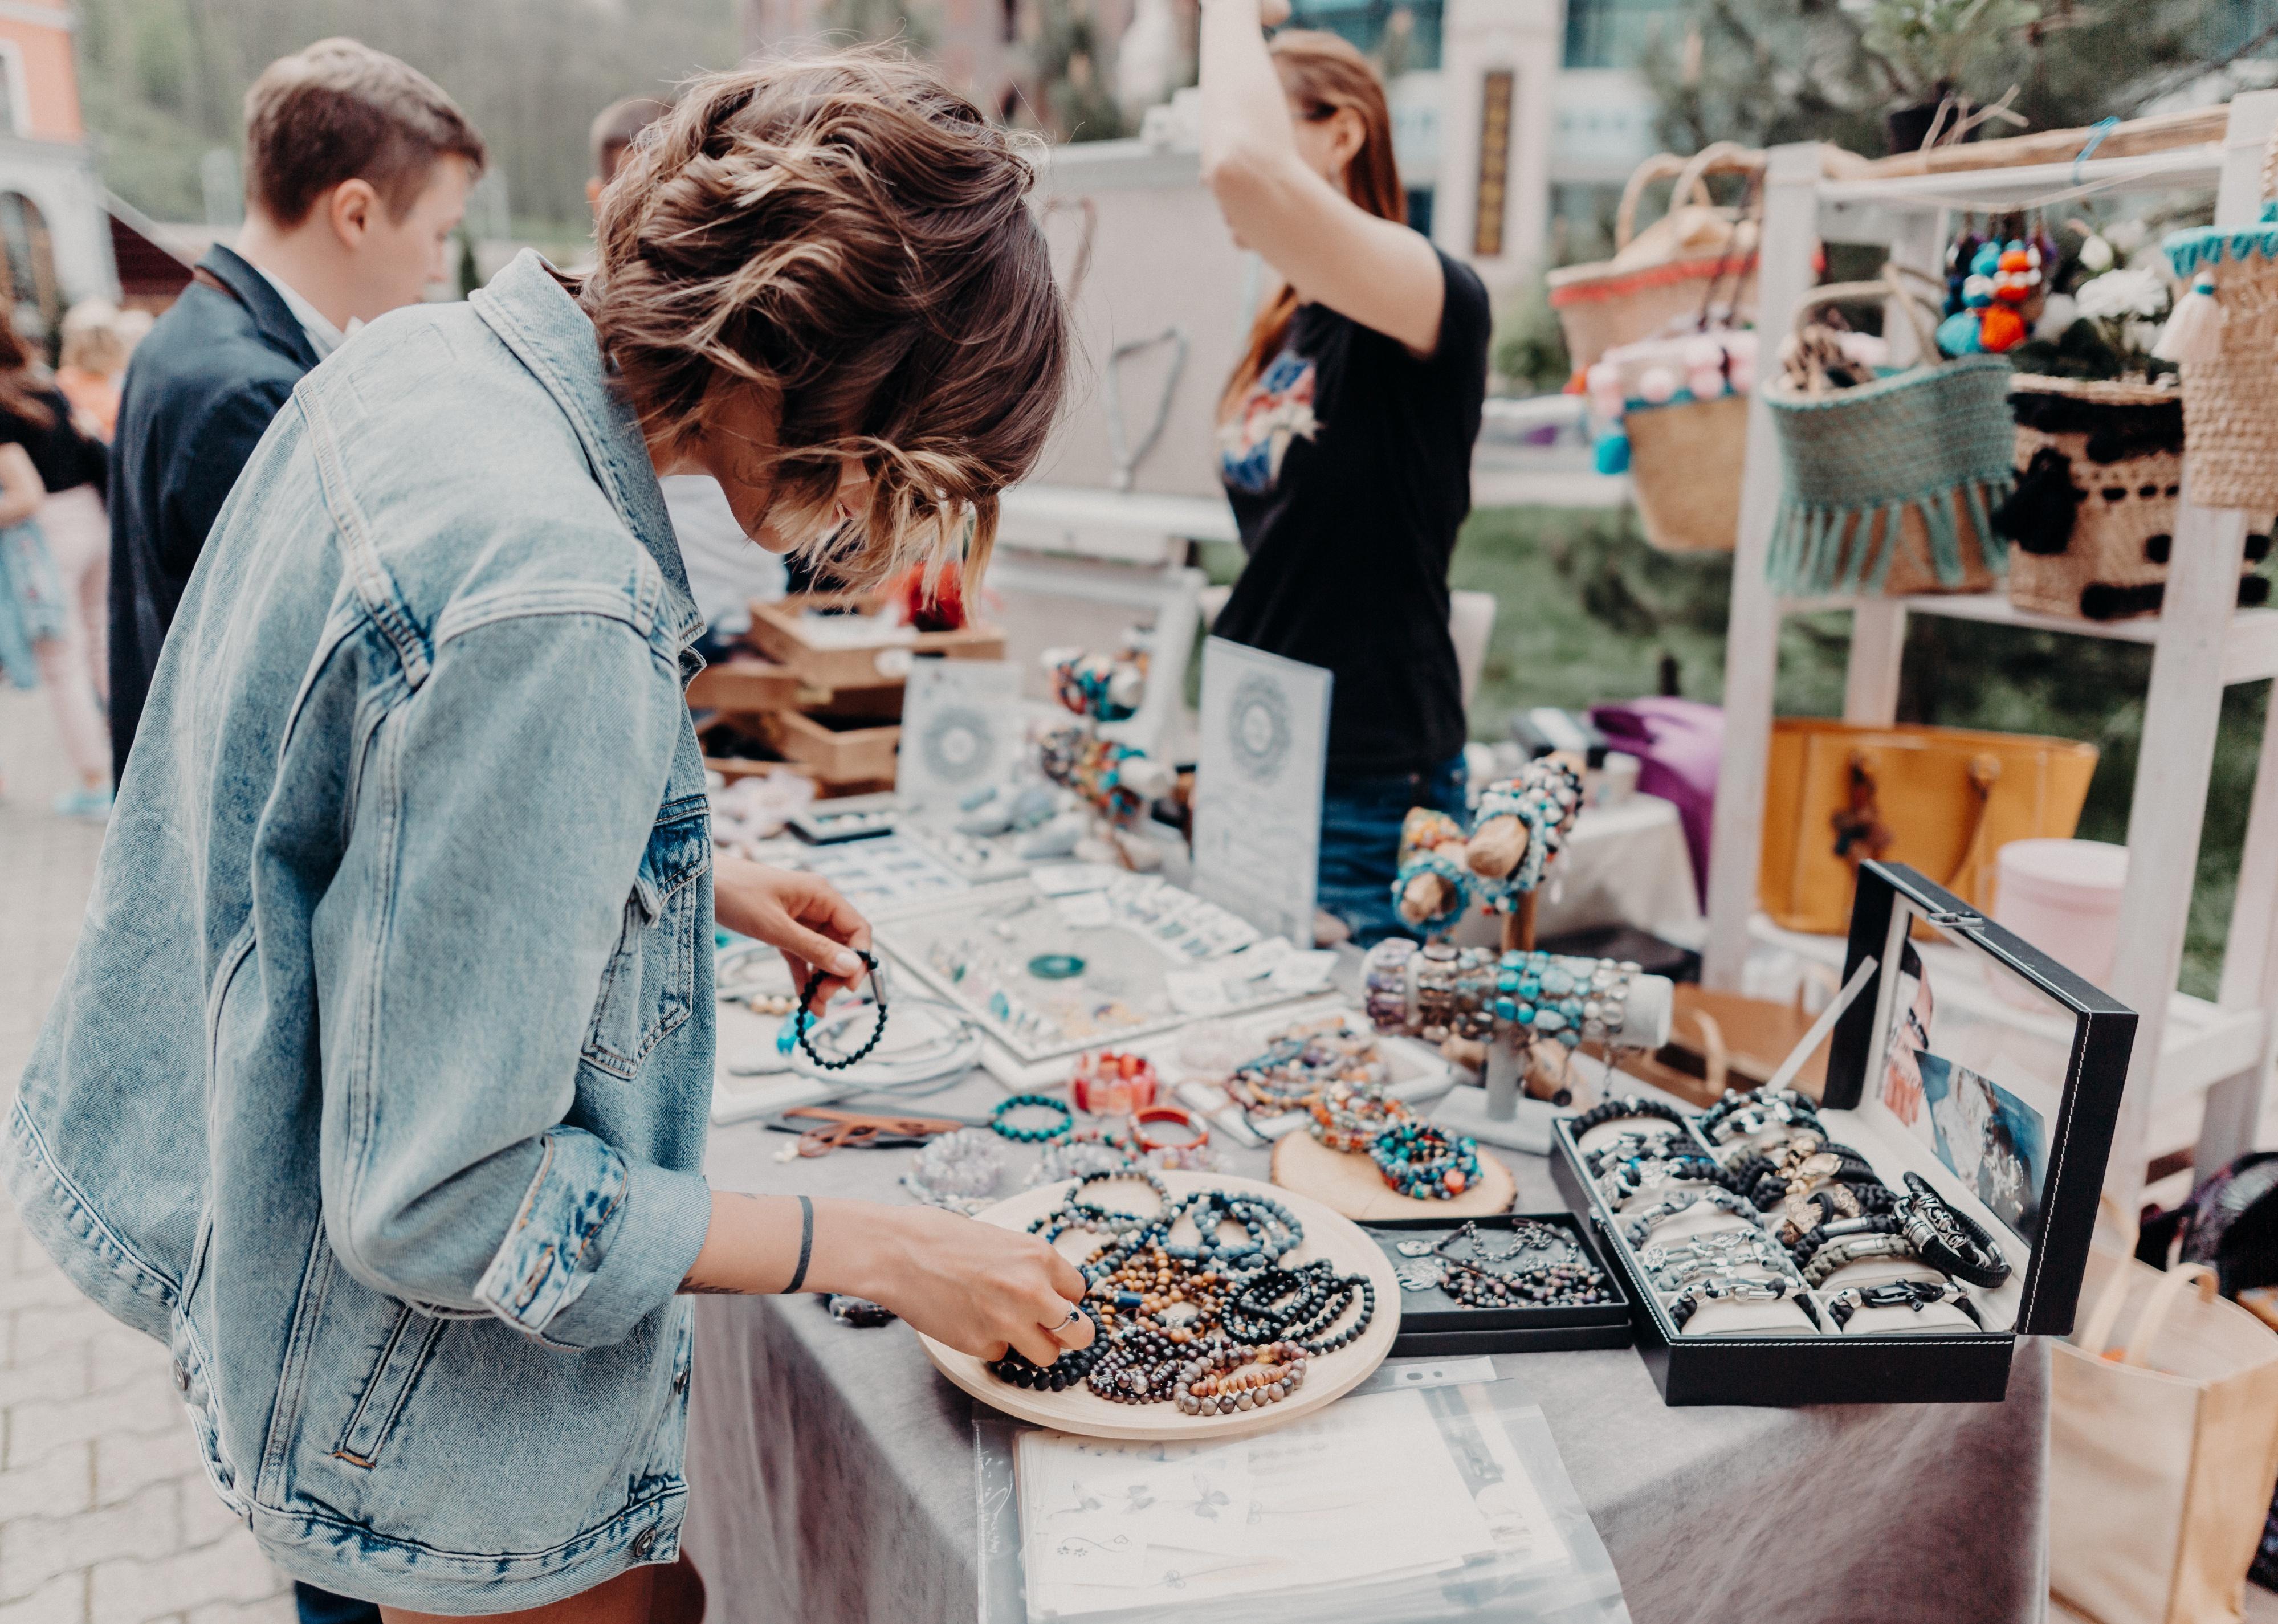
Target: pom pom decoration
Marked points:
1957	334
2096	255
1611	455
2038	512
1707	383
2000	328
1977	292
1656	386
2194	333
1986	261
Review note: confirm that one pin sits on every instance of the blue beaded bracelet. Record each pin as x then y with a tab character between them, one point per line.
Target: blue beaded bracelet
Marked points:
1031	1136
1424	1163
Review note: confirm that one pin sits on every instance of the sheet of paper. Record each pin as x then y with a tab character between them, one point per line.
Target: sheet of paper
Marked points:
1363	1492
1083	911
1067	879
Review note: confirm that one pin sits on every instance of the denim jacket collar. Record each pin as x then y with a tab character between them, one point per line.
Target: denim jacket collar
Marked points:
534	316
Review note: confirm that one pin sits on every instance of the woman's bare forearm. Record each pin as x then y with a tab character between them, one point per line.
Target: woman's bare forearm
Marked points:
752	1249
1244	115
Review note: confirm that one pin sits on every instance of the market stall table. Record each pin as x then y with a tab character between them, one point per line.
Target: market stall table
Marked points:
831	1468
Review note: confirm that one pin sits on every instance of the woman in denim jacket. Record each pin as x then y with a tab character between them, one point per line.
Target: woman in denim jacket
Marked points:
378	1085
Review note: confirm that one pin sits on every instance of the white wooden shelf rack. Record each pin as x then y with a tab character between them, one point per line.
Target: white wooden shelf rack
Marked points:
2200	643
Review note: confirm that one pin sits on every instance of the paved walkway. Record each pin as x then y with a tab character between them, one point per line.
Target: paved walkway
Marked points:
105	1517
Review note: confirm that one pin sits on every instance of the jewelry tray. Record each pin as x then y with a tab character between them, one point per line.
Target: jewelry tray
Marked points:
1432	1325
2057	1071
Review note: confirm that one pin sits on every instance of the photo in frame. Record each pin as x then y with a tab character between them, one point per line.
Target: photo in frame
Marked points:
1995	1143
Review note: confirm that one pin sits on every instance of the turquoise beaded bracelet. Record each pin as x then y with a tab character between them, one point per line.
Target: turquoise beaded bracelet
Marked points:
1036	1135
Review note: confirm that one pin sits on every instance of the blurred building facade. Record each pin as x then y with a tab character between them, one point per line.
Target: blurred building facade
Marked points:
1517	121
53	226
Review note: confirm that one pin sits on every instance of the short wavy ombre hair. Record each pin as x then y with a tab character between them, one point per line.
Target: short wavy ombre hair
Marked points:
852	238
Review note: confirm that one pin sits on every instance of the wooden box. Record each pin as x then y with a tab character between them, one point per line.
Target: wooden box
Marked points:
745	683
836	752
782	631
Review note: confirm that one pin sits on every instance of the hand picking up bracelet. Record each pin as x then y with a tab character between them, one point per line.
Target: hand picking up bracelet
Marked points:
1915	1294
1839	1254
800	1028
1948	1240
1720	1200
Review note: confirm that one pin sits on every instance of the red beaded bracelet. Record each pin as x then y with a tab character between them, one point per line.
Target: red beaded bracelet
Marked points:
1168	1113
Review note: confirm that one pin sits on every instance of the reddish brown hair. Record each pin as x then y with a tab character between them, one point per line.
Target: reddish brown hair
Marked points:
340	110
1322	73
22	384
852	238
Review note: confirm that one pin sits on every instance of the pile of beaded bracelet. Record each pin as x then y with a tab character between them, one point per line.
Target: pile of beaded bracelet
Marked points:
1031	1133
1571	1001
1425	1162
1063	1373
957	1170
1348	1119
1299	1306
1384	983
1141	1366
1435	991
1224	1377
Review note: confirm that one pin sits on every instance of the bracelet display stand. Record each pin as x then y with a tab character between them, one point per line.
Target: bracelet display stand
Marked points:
1349	1182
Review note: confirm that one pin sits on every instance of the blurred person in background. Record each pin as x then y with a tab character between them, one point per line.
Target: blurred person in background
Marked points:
54	537
96	345
1345	431
357	172
379	1081
727	569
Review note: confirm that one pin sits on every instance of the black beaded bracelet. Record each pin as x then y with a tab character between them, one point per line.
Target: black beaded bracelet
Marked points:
1626	1105
805	1018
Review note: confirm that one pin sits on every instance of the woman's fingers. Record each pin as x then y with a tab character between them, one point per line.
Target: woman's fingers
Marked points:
1034	1345
994	1352
1067	1280
1073	1334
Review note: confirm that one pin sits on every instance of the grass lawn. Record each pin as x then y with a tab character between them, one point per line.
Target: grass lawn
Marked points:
1589	612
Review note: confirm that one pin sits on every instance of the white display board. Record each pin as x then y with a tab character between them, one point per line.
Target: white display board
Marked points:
1257	786
961	731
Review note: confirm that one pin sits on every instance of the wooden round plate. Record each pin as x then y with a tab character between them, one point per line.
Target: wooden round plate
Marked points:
1350	1183
1079	1410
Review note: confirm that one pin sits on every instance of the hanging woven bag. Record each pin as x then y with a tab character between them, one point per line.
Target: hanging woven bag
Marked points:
1887	485
2224	335
1654	281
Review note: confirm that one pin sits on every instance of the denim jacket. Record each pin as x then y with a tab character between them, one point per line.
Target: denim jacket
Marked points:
378	1084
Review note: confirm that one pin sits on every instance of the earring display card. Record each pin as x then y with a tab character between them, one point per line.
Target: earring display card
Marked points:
1889	1242
1509	1245
1048	977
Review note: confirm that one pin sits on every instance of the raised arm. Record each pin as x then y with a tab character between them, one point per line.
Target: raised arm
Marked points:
1329	248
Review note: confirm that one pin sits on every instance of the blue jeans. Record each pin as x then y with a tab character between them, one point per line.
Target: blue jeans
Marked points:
1360	842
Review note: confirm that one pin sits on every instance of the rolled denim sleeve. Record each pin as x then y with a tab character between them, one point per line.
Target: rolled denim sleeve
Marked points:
500	815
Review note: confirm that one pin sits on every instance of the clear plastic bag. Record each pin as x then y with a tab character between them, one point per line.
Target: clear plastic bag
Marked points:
1433	1491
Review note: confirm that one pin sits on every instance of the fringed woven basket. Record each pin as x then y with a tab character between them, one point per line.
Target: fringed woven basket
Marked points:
1697	256
1888	486
2224	334
2091	521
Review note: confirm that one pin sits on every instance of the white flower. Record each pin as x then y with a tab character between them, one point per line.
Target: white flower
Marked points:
2117	296
2058	311
2096	255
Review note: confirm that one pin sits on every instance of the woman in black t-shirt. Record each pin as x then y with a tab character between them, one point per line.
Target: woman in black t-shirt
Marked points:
1345	433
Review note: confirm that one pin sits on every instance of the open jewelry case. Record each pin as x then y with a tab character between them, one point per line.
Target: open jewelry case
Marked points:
1889	1242
1437	1319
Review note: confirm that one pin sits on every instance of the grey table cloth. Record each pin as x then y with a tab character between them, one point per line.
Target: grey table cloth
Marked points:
831	1468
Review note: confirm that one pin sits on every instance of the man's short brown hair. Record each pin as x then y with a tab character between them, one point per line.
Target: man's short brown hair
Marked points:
340	110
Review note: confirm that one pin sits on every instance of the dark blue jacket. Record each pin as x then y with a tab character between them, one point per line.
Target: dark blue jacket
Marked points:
200	392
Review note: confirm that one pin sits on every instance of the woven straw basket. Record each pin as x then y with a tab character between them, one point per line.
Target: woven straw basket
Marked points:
1660	279
1684	471
2093	519
1887	486
2231	402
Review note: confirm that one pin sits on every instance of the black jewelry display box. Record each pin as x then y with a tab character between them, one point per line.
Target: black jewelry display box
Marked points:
1969	1057
1432	1322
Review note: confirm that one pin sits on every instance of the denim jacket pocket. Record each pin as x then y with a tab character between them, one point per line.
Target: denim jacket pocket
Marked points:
411	1344
650	983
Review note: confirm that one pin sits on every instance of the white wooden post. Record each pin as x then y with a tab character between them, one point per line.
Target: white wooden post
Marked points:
1784	275
2180	717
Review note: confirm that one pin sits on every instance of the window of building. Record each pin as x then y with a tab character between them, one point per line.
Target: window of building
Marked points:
1610	34
15	104
1371	25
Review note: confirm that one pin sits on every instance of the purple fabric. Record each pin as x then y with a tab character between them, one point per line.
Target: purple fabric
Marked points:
1680	742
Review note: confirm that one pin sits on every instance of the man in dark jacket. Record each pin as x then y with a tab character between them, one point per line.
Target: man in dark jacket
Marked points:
357	172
